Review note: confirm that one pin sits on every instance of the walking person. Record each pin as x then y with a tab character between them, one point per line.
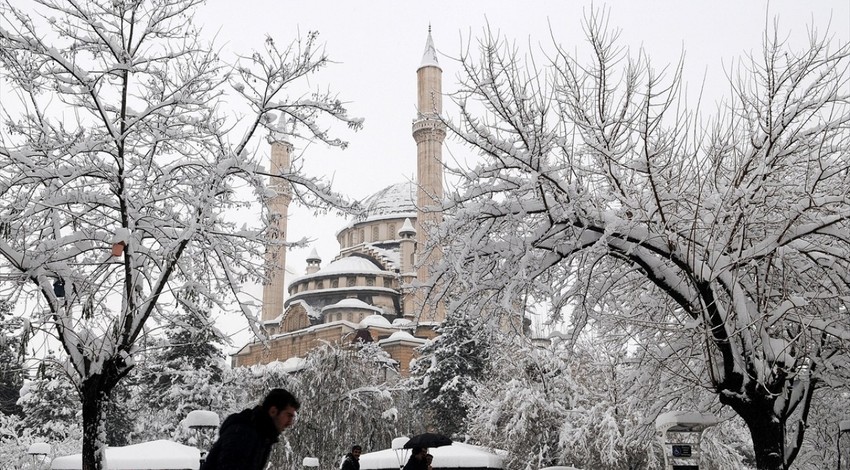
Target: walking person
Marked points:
352	459
245	439
417	460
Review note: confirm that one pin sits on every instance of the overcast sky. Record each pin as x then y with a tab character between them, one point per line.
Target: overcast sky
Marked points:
378	46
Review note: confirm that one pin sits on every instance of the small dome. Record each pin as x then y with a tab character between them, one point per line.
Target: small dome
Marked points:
374	320
401	322
398	335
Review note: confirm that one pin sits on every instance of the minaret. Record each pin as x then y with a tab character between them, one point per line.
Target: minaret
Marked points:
273	288
407	247
314	262
429	133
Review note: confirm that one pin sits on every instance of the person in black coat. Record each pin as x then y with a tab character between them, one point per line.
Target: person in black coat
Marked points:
417	459
352	459
245	439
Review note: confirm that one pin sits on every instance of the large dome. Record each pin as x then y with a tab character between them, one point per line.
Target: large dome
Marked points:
398	200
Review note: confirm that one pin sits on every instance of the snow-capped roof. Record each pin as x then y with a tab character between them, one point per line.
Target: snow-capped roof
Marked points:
349	264
684	421
406	228
162	454
311	312
314	256
401	337
390	255
351	303
401	321
398	200
374	320
39	448
429	57
201	418
457	455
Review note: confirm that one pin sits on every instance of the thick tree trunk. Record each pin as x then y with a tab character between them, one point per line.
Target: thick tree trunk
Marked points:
94	396
768	437
766	430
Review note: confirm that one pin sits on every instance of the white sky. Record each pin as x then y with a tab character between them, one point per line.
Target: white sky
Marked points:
378	45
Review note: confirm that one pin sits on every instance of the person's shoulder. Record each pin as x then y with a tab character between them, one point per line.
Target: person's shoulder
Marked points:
238	420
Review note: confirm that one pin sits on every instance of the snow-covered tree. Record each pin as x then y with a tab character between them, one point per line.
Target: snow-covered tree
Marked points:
49	403
121	171
448	368
584	406
181	371
346	399
14	335
600	194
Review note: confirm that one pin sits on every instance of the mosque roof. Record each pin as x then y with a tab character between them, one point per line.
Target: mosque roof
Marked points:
395	201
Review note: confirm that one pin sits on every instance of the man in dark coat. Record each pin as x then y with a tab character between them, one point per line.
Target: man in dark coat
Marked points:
417	459
352	459
245	439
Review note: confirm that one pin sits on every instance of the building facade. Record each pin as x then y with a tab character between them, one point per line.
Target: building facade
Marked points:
371	290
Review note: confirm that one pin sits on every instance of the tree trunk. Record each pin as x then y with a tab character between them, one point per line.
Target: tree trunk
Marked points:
766	429
94	396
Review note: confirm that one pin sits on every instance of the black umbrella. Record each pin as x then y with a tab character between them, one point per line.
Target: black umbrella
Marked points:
428	439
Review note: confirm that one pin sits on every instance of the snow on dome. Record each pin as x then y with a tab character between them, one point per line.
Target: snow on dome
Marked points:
351	303
396	200
374	320
399	335
401	321
349	264
314	256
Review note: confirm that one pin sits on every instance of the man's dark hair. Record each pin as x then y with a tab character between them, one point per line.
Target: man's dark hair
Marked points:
353	448
280	399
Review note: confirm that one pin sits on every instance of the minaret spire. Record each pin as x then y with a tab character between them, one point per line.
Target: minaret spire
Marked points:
429	57
429	133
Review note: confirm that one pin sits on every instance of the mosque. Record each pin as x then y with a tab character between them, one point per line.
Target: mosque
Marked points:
371	290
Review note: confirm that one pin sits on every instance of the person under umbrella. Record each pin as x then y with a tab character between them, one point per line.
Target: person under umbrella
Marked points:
417	460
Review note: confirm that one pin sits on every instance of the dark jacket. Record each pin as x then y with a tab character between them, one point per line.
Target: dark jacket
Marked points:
415	464
350	463
244	442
